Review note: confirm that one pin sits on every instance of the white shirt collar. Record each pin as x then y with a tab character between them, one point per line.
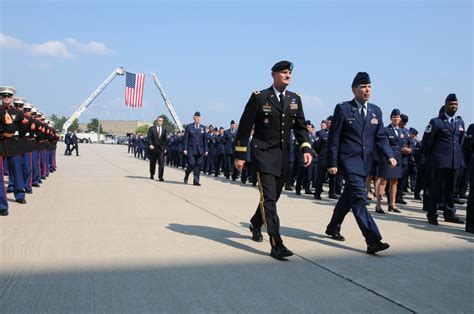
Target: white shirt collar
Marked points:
448	117
277	92
360	104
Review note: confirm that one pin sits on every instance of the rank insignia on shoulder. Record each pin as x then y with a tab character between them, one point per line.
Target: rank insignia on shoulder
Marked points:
428	128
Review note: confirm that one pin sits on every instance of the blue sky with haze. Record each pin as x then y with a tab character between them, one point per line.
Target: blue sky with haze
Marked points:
210	55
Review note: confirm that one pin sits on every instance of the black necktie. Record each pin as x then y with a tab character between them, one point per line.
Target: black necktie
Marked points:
452	123
362	113
282	100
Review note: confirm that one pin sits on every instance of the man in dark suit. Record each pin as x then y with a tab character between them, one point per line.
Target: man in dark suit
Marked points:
356	129
442	144
68	142
274	112
157	138
468	151
195	147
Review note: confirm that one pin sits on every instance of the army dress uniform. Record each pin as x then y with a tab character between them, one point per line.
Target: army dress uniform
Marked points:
273	120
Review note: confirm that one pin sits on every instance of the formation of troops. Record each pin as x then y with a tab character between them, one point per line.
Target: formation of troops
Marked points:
358	158
27	147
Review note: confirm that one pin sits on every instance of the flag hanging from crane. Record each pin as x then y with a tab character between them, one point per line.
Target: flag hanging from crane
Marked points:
134	84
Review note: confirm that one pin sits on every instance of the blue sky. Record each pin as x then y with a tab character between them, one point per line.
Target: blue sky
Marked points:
210	55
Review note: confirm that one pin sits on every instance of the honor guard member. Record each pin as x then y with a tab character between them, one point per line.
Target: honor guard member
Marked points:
35	152
13	146
157	141
468	150
26	134
442	142
195	148
5	132
274	112
356	129
321	148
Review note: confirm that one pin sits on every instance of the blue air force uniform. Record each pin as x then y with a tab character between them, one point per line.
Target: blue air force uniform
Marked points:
395	140
195	143
351	145
442	143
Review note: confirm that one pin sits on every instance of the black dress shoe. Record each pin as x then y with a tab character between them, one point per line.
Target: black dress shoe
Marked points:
470	230
298	192
379	210
308	191
280	252
29	192
333	196
4	213
400	201
463	196
36	185
335	236
317	197
458	201
288	188
152	177
256	234
21	201
161	179
393	209
455	220
196	183
377	247
433	221
417	197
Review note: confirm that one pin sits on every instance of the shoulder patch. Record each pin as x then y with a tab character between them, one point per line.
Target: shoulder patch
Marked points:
428	128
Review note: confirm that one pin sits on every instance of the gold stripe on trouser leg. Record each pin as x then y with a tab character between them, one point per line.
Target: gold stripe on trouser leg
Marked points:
262	207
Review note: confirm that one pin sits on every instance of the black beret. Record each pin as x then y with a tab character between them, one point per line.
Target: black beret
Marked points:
451	97
413	131
221	128
395	112
232	122
404	118
329	118
308	122
282	65
361	78
197	113
323	121
215	129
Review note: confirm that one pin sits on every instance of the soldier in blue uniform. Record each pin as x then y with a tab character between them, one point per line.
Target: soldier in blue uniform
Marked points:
412	169
229	142
274	112
468	151
220	152
195	147
211	144
442	143
385	172
407	154
356	129
321	148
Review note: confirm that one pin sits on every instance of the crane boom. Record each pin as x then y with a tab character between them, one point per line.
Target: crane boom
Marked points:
167	102
90	99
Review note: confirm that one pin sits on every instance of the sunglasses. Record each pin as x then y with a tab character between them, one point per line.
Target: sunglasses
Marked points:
7	95
26	110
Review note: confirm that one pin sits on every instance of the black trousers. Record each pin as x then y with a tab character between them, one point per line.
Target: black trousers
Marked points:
402	182
229	169
154	157
270	188
442	183
218	163
470	202
74	147
320	176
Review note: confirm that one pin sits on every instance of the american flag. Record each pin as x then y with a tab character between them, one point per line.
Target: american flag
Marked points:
134	84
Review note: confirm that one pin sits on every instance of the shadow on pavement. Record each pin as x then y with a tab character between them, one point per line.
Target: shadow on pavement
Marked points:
215	234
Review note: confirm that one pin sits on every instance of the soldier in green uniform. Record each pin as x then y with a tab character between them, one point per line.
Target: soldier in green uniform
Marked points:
274	112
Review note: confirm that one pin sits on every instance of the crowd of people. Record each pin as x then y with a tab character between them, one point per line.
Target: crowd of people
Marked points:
27	147
437	168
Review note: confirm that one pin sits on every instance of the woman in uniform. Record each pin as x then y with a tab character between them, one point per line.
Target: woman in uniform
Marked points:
385	173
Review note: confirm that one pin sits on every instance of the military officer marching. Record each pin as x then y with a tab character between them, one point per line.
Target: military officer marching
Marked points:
274	112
